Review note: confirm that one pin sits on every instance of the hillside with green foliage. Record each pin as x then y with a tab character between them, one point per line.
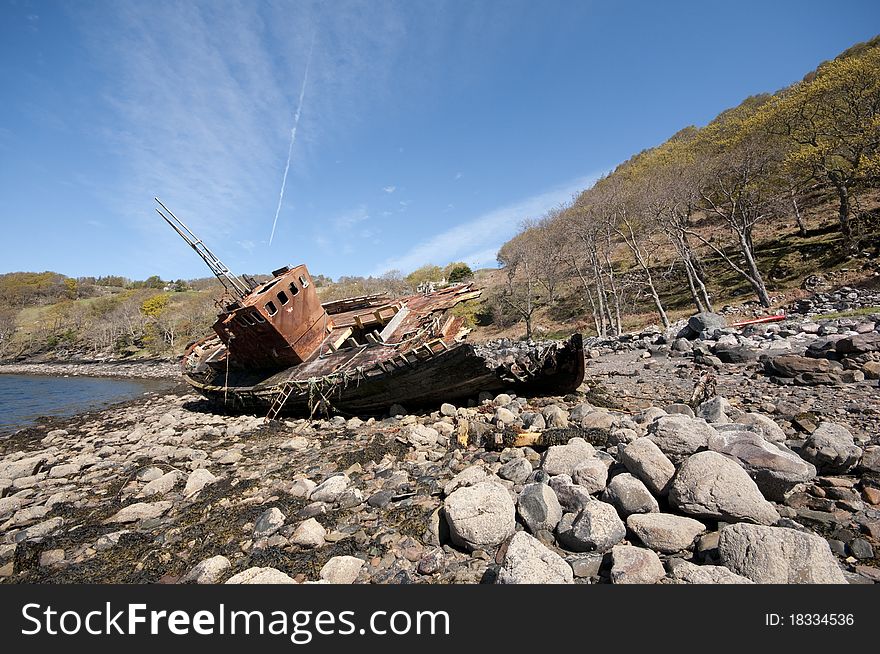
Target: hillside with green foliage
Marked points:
49	315
775	189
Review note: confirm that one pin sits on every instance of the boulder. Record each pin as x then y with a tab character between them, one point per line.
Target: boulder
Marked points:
260	576
646	461
310	533
139	511
480	516
635	565
860	344
528	561
629	495
796	366
592	474
539	508
270	521
517	470
832	449
563	459
597	528
197	480
762	425
209	571
773	467
714	410
711	485
778	555
467	477
684	572
665	532
330	489
341	569
678	436
571	496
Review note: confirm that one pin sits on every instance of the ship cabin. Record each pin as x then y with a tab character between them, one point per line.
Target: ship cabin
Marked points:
279	324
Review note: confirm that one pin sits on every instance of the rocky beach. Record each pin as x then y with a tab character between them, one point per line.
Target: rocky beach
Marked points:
702	454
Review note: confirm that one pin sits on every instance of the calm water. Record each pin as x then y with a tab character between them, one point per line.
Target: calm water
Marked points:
24	398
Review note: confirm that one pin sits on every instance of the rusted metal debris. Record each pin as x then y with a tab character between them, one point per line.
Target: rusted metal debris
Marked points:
276	348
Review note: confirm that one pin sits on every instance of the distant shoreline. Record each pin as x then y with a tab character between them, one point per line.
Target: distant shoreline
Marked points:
125	369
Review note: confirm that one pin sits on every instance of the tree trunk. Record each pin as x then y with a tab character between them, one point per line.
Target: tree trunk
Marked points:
843	213
802	227
755	278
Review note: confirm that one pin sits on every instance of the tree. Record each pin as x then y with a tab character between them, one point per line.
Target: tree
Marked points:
833	124
521	291
736	188
427	273
458	272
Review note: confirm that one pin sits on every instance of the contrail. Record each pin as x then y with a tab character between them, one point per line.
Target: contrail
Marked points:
299	106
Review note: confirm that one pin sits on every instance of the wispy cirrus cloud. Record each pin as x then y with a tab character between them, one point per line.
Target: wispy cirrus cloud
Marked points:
477	241
198	100
389	189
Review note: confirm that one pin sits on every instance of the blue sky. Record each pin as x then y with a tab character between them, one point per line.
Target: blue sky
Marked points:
428	130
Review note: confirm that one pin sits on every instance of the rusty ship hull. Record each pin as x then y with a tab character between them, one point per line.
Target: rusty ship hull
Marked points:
278	349
375	353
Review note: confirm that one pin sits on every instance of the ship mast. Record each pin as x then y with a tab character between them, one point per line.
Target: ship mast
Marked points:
233	284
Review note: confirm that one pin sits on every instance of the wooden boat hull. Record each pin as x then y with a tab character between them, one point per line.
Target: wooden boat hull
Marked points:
453	374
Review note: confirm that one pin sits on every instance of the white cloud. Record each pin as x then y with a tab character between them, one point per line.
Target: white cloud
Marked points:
484	234
200	110
389	189
344	222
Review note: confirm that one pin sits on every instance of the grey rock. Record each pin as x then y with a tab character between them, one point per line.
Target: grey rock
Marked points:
270	521
341	570
480	516
563	459
555	416
591	474
330	489
711	485
680	409
665	532
139	511
528	561
597	528
260	576
571	496
635	565
762	425
678	436
629	495
161	485
684	572
832	449
644	459
447	409
714	410
539	508
517	471
209	571
467	477
778	555
310	533
197	480
773	467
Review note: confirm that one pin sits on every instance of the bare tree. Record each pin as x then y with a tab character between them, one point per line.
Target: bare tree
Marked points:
735	188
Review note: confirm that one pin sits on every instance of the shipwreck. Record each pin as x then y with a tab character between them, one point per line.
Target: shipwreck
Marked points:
277	349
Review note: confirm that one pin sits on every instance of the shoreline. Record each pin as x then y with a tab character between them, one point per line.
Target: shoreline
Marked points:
167	370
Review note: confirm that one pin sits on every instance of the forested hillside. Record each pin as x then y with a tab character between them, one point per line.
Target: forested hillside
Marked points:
50	315
773	190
